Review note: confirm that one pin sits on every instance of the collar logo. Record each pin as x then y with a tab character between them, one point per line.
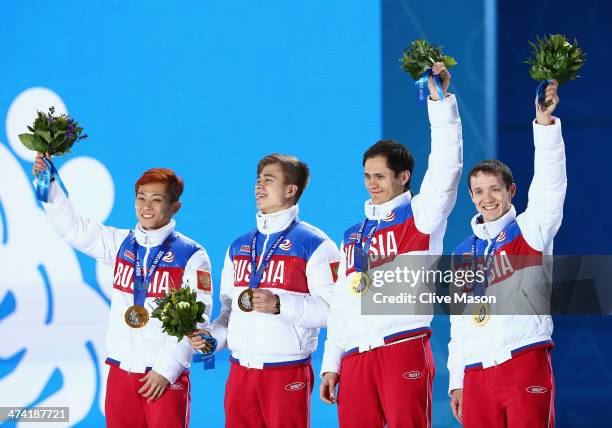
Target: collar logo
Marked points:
168	257
245	248
389	217
129	255
502	236
286	245
295	386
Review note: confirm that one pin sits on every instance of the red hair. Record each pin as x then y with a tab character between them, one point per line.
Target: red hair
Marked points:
174	184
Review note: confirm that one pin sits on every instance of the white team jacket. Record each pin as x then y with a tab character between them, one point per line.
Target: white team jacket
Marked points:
531	233
134	350
301	272
405	226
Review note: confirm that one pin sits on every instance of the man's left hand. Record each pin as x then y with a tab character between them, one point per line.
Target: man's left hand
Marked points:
264	301
154	385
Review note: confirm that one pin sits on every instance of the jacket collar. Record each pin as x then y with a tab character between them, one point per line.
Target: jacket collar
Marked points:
277	221
153	238
493	228
378	212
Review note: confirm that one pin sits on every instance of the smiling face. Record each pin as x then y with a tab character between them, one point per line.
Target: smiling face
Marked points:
271	192
153	207
490	195
381	182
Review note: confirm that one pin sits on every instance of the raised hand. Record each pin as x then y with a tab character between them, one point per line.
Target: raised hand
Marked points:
438	69
551	100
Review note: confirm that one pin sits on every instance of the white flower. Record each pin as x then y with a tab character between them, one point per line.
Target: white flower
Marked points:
183	305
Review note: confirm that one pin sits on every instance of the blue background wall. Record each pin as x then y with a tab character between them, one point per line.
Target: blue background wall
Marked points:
207	88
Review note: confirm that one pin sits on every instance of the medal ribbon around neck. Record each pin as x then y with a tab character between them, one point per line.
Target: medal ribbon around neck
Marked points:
141	282
257	274
361	253
488	262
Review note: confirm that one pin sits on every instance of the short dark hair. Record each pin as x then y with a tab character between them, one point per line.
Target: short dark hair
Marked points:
294	170
174	183
398	157
492	167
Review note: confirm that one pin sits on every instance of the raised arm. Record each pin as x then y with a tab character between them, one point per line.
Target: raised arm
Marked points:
438	191
94	239
544	212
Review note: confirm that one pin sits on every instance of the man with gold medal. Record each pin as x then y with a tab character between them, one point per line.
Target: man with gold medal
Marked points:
150	260
383	363
500	354
276	283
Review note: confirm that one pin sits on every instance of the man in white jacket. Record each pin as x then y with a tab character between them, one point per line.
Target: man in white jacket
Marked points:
275	290
383	363
500	371
148	382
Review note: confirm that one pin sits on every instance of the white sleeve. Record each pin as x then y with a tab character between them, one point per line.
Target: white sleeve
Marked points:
91	238
438	191
456	362
542	218
312	311
218	328
176	355
335	344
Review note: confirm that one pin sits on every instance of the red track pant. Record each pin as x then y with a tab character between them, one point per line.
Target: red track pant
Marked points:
126	408
389	385
518	393
269	398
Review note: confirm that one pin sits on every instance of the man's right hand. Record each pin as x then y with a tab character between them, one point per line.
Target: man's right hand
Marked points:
196	341
39	164
328	387
456	403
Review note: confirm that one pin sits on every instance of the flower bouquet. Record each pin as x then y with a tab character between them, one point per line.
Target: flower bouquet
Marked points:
553	57
419	58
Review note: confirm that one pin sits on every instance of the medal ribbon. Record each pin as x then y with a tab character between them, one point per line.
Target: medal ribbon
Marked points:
43	181
141	282
420	86
487	266
540	91
361	253
257	274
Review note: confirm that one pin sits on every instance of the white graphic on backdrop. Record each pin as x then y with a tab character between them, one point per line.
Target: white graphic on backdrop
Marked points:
58	318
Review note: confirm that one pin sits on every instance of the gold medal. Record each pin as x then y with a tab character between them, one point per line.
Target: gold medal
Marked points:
360	283
482	315
245	300
136	316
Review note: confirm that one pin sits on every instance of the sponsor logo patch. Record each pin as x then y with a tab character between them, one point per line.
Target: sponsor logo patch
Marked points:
413	374
536	389
168	257
286	245
353	236
295	386
176	386
204	281
245	248
129	255
502	236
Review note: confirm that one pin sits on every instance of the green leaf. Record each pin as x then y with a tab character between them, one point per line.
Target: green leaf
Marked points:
449	61
27	140
45	135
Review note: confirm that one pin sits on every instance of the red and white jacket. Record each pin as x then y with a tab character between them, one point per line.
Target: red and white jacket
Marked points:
185	265
518	280
301	272
405	225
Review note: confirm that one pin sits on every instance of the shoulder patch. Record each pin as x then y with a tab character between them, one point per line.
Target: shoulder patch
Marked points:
204	281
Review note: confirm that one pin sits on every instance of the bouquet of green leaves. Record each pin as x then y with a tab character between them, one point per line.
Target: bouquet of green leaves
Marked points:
52	134
421	56
179	312
553	57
